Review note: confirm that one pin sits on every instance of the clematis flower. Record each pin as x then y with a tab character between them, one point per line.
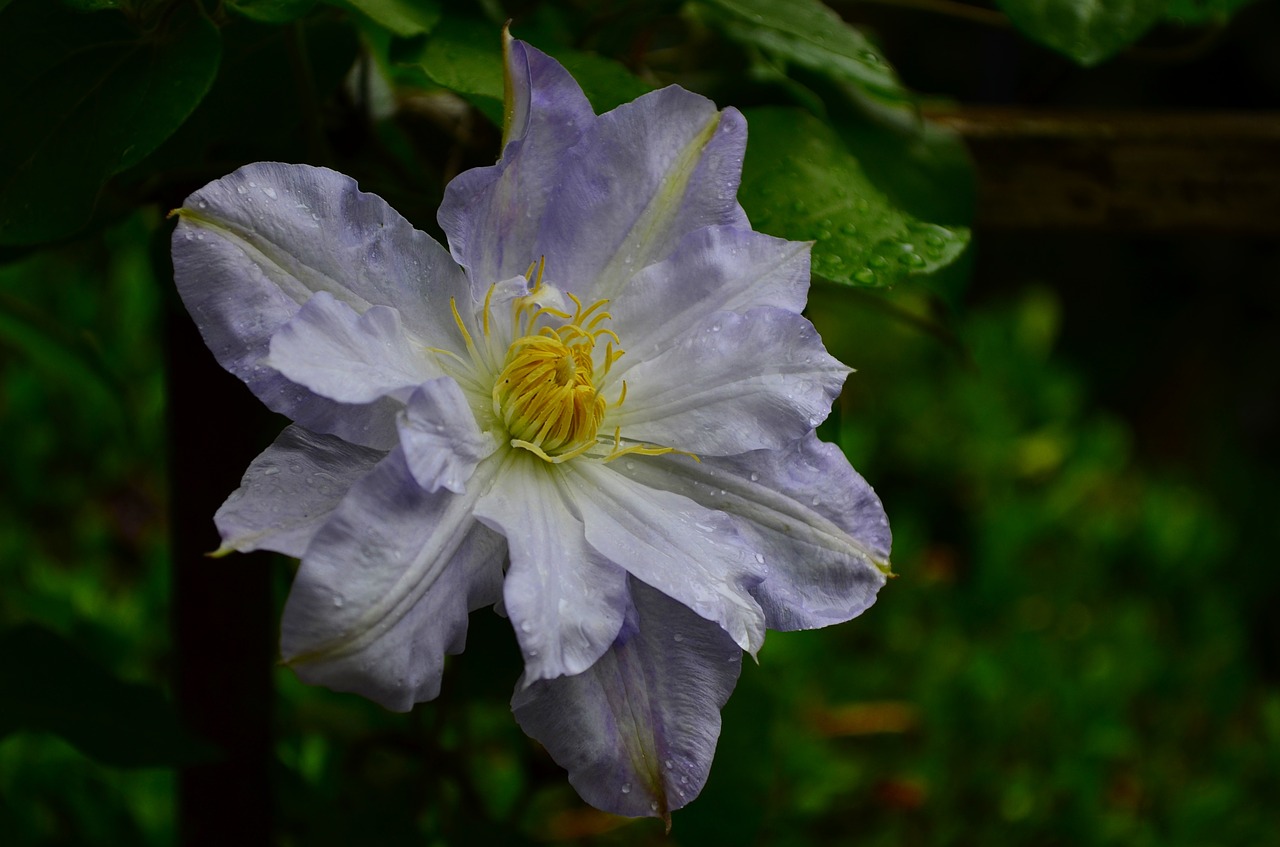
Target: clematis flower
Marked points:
594	412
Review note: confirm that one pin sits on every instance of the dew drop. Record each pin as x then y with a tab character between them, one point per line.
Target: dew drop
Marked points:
866	276
269	191
653	804
755	477
631	466
337	601
817	501
626	788
684	780
670	764
759	559
526	627
679	638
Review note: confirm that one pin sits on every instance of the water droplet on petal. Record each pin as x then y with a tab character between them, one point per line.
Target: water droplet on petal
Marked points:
626	788
269	191
670	764
526	627
817	501
755	477
759	559
653	804
679	638
337	601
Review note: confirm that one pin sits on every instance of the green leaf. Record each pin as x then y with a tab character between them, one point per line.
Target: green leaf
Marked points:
93	96
809	34
90	5
272	11
1088	31
47	685
800	182
405	18
1197	12
464	55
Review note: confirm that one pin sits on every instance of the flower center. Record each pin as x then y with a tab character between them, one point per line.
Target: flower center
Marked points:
546	395
548	392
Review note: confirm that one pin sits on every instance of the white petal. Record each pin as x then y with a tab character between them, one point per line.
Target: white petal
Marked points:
441	440
251	248
688	552
348	356
642	177
289	490
385	586
637	731
566	602
714	269
737	383
814	522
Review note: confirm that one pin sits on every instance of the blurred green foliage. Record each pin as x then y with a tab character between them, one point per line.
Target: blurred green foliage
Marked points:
1077	650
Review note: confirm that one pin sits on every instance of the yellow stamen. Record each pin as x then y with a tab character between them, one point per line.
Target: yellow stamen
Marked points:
548	392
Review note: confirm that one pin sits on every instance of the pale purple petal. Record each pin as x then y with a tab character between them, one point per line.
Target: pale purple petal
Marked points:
492	215
735	383
441	440
289	491
814	522
252	247
688	552
644	176
714	269
385	587
566	602
347	356
637	731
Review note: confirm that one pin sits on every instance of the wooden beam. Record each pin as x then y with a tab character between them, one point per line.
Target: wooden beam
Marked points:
1144	173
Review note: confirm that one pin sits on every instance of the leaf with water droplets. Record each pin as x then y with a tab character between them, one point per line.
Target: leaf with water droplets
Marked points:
862	237
1084	30
808	34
